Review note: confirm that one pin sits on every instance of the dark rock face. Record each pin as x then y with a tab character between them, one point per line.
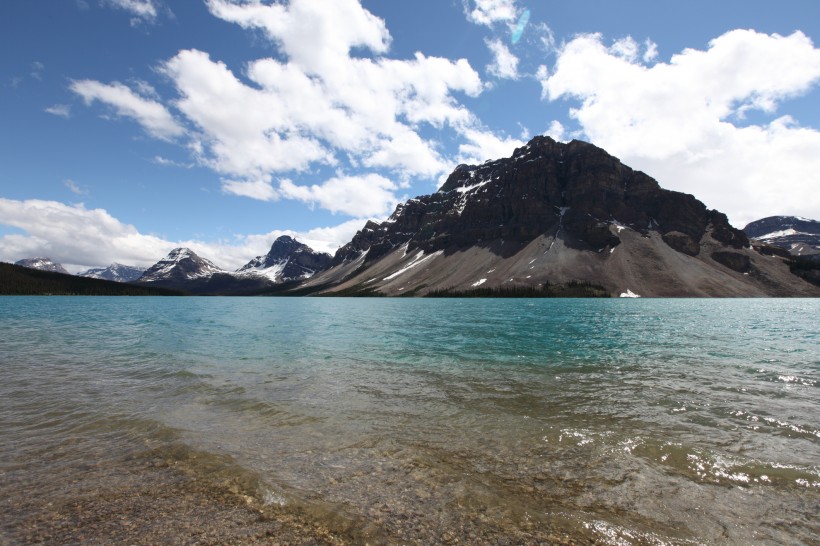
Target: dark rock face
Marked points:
807	268
43	264
546	187
733	260
681	242
297	260
801	236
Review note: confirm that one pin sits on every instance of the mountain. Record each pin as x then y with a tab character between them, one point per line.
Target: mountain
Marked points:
43	264
800	236
179	266
554	218
288	260
115	272
795	240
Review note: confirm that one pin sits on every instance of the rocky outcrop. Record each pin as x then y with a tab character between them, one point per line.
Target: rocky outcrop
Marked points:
733	260
681	242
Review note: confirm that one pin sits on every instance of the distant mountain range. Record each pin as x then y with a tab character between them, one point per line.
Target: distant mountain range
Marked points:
553	219
287	262
115	272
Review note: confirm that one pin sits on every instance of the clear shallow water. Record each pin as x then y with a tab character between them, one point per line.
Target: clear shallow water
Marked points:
407	420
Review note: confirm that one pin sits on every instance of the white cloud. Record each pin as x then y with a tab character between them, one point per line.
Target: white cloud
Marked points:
359	196
505	64
324	102
678	121
556	131
321	239
165	162
60	110
483	145
72	234
75	188
143	9
150	114
353	103
260	189
313	33
490	12
329	239
650	51
334	98
82	238
245	131
626	48
37	69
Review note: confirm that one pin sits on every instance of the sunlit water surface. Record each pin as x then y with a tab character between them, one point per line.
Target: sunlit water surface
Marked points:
622	421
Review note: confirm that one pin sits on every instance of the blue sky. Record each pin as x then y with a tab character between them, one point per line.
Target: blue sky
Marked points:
130	127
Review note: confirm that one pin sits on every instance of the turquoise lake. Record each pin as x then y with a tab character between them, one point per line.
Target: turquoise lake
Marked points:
629	421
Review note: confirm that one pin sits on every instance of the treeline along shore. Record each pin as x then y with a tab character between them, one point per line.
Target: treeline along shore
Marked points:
16	280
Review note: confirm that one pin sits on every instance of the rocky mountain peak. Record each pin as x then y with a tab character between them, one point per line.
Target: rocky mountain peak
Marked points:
180	264
43	264
287	260
546	187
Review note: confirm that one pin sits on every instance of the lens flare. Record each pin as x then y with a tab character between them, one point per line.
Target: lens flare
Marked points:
518	31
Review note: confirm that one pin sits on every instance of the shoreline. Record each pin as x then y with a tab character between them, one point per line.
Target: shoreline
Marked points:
175	497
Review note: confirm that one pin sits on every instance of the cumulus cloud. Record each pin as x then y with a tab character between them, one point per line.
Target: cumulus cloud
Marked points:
333	97
505	64
323	104
324	99
360	196
73	234
81	238
682	121
490	12
329	239
152	115
483	145
261	189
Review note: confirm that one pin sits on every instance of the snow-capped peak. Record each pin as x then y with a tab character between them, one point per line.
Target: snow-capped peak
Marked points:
180	263
287	260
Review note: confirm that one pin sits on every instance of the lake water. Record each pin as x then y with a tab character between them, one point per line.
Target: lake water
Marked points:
414	420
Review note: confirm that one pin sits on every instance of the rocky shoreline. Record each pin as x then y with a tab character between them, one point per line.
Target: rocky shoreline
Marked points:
173	498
